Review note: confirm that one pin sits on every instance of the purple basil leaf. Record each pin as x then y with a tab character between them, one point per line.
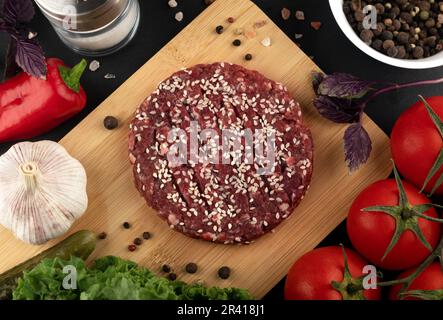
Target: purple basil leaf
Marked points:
11	67
317	78
18	11
30	57
7	28
337	110
358	146
343	85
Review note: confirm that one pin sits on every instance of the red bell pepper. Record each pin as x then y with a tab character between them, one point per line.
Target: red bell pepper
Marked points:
31	106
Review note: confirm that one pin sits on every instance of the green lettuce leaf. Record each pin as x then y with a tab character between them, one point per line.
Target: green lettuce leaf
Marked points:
44	282
112	278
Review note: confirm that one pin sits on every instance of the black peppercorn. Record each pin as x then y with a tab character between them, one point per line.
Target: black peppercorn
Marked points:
418	52
166	268
126	225
110	122
224	272
377	44
102	236
172	276
191	268
388	44
405	29
386	35
401	52
392	51
138	241
146	235
403	37
219	29
366	35
248	57
424	15
236	42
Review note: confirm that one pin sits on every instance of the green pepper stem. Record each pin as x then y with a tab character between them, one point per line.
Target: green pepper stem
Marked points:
72	76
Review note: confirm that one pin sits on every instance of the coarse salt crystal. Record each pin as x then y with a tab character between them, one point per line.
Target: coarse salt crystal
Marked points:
32	35
266	42
109	76
172	3
239	31
94	65
179	16
300	15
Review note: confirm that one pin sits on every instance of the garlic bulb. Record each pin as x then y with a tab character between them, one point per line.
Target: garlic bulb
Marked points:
42	191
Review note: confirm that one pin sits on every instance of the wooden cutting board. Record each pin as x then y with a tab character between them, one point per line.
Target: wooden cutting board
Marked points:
113	198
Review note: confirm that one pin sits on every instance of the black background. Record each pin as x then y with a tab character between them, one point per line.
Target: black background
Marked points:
330	49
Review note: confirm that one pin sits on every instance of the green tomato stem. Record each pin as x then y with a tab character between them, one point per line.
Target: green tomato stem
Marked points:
406	282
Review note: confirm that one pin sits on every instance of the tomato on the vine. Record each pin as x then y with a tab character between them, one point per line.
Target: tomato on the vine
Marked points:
417	143
391	234
427	286
322	275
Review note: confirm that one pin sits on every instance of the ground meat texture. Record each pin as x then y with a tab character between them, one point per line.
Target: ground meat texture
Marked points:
224	203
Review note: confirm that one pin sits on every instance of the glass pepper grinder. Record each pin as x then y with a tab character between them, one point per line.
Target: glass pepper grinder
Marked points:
93	27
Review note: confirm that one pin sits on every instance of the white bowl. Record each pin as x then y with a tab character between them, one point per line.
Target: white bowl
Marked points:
425	63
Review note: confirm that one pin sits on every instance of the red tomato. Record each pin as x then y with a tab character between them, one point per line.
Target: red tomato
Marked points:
430	279
311	276
416	143
371	232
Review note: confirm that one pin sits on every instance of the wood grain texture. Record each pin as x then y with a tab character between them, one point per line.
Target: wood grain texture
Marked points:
113	198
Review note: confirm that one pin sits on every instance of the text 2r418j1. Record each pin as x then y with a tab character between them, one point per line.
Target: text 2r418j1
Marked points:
231	309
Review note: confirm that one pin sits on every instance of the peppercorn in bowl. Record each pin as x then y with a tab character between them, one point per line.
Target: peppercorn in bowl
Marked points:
405	34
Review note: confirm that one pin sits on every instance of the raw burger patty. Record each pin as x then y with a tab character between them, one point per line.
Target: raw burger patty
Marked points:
221	202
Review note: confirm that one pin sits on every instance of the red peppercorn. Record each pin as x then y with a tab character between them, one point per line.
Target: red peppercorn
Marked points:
132	247
231	20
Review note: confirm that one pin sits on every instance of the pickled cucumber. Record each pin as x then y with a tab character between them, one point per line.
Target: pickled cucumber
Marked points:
80	244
